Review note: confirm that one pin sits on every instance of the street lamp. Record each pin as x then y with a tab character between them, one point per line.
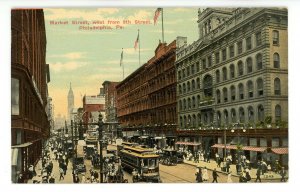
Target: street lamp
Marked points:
239	127
100	128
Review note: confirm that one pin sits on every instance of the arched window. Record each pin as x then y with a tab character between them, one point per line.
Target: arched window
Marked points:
193	85
277	113
277	86
250	114
189	103
218	96
232	71
217	76
188	86
181	122
179	75
184	122
249	65
232	92
184	88
241	68
276	60
194	120
193	102
180	105
198	83
199	119
198	100
260	113
183	73
242	115
226	120
260	87
208	86
180	89
250	89
225	94
189	120
275	37
259	62
224	70
184	104
233	116
219	117
241	91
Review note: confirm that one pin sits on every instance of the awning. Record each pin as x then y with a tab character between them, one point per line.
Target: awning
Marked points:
143	137
252	148
280	151
22	145
187	143
245	148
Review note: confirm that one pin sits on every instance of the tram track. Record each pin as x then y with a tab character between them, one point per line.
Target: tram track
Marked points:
173	175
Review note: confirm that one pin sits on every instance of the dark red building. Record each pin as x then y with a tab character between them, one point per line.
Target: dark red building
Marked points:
146	99
30	75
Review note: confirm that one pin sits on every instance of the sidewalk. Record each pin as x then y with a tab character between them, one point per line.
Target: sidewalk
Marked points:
213	165
55	171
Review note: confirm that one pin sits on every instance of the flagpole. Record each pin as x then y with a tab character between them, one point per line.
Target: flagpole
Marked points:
123	63
162	24
139	47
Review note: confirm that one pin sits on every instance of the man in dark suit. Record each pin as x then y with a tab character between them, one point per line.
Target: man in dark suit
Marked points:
215	176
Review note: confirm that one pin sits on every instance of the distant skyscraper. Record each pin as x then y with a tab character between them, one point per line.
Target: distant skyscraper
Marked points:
70	101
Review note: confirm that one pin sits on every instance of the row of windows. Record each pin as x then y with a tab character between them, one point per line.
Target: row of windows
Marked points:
208	61
196	120
190	103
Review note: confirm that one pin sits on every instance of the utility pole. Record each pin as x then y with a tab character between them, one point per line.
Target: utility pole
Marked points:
72	135
76	138
100	128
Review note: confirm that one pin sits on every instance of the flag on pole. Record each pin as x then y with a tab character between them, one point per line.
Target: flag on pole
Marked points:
136	41
121	60
156	15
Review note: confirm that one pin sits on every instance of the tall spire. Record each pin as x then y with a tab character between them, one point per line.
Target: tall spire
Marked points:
70	101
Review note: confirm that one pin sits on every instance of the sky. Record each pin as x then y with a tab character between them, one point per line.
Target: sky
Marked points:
87	58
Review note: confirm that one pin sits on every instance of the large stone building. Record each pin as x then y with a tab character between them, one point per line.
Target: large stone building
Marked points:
30	125
233	83
146	99
109	89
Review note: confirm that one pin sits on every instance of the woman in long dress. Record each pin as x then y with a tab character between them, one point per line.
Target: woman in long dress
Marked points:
205	174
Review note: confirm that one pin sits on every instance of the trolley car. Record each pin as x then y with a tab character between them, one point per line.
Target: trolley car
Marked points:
142	160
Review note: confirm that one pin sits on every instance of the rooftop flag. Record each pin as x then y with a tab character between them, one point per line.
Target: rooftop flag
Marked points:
156	15
137	41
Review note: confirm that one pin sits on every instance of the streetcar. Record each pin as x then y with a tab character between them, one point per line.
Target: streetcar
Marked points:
144	161
168	157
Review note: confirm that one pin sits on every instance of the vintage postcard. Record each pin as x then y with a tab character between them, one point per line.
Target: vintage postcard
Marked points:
149	95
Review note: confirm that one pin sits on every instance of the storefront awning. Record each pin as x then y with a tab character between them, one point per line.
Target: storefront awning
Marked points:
280	151
246	148
187	143
22	145
143	137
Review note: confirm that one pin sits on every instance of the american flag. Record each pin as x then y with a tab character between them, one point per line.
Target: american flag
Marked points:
136	41
121	60
156	15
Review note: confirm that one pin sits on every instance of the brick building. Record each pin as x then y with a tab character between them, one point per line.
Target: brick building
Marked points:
30	75
146	99
233	83
109	89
